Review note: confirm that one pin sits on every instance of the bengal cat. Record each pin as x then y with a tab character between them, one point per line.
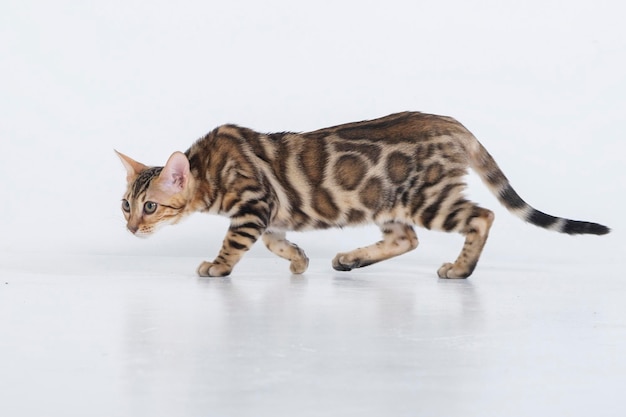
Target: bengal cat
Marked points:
399	171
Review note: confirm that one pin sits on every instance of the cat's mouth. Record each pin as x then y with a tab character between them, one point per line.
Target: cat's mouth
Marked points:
143	234
146	232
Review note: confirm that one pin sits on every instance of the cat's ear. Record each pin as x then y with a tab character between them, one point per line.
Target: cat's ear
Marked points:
175	175
132	167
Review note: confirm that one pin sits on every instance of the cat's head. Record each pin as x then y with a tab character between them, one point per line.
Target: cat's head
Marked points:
155	196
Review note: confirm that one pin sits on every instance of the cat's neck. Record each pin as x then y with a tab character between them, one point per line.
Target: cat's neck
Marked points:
200	191
195	195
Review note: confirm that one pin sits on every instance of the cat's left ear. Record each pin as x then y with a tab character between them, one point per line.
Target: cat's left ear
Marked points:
175	175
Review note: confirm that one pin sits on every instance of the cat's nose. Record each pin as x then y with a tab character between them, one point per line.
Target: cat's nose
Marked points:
133	228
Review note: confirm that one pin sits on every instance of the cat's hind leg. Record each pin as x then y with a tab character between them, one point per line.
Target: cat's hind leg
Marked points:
398	238
476	230
276	242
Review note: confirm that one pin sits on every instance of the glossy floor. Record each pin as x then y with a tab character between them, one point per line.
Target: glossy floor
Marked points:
124	336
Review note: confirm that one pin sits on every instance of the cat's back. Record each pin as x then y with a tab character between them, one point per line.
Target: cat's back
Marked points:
394	128
397	128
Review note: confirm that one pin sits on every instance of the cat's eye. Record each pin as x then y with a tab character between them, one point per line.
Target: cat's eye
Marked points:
126	206
150	207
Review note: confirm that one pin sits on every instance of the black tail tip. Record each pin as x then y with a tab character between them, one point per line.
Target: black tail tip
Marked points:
602	230
585	228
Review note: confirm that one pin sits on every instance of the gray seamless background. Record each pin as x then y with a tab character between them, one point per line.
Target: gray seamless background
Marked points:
540	83
94	321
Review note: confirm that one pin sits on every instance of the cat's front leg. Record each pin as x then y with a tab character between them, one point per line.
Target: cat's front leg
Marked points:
239	239
276	242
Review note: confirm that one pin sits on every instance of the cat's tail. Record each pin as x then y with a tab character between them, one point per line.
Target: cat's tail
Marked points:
491	174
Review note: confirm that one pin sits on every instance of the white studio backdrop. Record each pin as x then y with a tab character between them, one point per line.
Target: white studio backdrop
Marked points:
540	83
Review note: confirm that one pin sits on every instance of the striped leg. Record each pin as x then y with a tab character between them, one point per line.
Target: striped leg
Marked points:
476	230
398	238
276	242
238	240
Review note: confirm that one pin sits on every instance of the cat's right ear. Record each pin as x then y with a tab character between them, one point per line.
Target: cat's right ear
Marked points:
132	167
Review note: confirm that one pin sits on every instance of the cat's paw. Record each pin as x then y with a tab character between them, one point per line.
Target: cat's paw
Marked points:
349	261
210	269
298	266
341	262
448	271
